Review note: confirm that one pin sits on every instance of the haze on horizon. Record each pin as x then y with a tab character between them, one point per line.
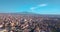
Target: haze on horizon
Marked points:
34	6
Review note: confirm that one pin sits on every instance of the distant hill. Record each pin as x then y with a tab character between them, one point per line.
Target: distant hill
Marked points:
31	14
20	13
26	13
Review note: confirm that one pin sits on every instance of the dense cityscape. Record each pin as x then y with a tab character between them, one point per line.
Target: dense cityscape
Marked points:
23	23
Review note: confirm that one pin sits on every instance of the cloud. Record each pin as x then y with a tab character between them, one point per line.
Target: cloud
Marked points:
42	5
32	8
38	6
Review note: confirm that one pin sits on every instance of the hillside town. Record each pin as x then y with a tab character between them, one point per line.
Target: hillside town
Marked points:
20	23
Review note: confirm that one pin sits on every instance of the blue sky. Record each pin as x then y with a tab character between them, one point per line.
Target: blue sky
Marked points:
35	6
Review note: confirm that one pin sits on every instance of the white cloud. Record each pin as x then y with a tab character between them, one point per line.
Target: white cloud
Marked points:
38	6
42	5
33	8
